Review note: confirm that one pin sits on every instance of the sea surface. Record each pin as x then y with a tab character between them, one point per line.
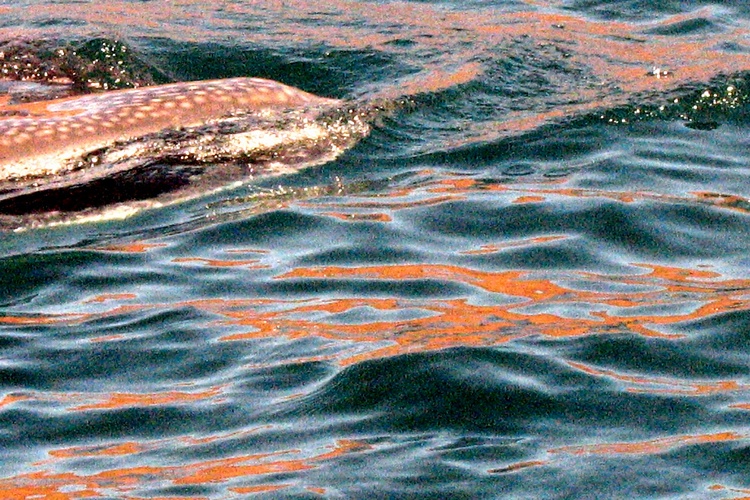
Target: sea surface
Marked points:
531	280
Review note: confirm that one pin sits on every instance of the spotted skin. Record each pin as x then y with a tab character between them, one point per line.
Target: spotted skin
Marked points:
39	139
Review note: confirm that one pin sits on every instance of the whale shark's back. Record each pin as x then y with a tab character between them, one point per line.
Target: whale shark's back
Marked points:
37	138
155	145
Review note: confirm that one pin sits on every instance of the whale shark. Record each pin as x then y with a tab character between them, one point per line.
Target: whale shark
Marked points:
162	143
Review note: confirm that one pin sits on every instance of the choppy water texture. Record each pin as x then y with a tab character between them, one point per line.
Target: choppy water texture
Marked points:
531	281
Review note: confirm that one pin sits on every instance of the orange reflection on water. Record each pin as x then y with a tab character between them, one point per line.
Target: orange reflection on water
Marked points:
110	450
515	467
38	319
485	249
650	447
224	469
131	247
527	303
437	79
615	57
457	322
9	399
123	400
452	323
106	297
248	490
727	201
375	217
249	263
82	402
745	492
529	199
664	385
43	485
387	204
457	189
123	482
513	283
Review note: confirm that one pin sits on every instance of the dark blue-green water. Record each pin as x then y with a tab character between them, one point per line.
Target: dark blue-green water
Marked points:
531	280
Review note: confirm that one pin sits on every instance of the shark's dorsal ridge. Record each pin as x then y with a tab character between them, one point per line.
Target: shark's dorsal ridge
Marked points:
37	138
154	145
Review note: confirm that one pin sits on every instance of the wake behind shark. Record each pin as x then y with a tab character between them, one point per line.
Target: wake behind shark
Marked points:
68	158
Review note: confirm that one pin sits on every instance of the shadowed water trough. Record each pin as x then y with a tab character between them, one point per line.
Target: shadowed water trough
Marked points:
162	144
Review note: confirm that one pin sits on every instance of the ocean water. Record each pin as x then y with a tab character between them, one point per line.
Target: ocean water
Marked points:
531	280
